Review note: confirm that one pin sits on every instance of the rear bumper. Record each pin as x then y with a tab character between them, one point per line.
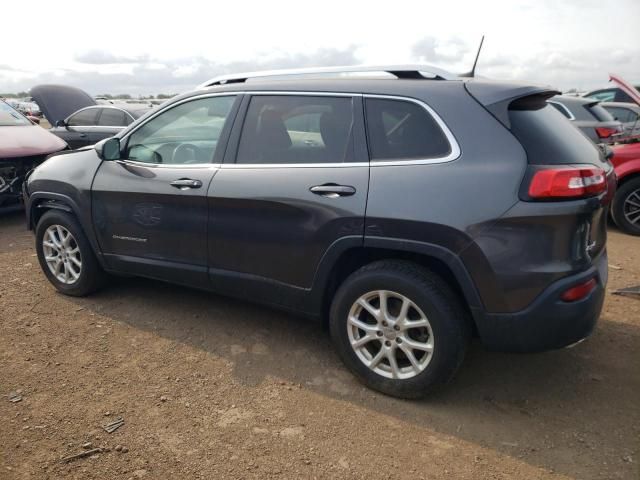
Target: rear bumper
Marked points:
548	323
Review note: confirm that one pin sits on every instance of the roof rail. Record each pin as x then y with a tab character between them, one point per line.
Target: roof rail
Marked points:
400	71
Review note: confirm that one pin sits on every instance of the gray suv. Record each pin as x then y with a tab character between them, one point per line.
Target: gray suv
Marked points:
406	207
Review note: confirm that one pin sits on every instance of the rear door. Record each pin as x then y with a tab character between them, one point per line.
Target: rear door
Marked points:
293	186
111	121
150	208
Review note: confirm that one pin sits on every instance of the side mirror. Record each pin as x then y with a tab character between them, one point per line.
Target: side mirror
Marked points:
61	123
109	149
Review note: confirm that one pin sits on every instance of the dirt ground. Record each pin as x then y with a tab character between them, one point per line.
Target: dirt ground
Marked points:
215	388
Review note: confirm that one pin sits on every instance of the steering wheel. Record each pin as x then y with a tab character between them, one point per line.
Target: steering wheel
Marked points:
186	153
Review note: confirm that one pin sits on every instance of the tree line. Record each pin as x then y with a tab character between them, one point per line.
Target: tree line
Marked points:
122	96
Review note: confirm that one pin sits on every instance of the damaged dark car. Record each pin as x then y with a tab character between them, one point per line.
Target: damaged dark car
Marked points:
23	146
78	119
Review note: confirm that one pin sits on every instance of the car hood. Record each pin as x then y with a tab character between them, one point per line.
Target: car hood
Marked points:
626	87
57	102
27	140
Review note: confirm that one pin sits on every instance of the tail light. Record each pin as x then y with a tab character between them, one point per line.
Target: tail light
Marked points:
579	291
606	132
568	182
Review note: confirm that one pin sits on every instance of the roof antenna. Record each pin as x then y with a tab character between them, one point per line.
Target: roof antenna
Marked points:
472	73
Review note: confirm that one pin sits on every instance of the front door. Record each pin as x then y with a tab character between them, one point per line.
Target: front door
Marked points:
150	208
79	127
296	186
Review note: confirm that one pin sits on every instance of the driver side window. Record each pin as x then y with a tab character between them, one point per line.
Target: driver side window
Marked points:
185	134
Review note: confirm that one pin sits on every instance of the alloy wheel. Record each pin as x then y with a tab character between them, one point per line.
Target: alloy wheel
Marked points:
390	334
631	208
62	254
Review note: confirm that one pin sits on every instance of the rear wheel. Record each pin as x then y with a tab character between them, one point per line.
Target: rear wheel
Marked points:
65	255
399	328
626	207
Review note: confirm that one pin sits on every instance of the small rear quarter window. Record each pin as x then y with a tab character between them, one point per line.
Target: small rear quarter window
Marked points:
403	130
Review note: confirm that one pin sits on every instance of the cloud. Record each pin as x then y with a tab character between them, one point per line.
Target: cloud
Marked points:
548	65
145	76
438	51
102	57
103	72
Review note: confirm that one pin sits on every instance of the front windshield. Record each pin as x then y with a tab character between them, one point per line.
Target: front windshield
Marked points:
10	117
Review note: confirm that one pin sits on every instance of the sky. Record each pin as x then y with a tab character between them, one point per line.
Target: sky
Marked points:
141	47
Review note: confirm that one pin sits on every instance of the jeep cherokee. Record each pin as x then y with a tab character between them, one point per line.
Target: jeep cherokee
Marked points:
407	207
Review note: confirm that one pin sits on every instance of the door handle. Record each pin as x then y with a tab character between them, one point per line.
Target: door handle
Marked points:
332	190
184	183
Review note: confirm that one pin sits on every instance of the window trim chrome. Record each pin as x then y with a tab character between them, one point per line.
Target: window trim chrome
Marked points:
564	107
454	154
182	166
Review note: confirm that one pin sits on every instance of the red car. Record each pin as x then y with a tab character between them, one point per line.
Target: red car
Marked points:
23	146
625	209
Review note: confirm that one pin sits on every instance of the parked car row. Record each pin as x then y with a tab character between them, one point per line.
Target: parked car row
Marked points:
617	124
590	117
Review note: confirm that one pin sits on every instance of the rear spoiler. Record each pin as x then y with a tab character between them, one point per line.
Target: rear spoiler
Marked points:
498	97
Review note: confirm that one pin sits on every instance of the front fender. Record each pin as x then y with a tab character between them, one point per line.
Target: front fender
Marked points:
64	181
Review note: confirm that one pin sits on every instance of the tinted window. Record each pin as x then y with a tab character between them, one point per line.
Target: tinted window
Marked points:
401	130
84	118
297	129
547	136
600	113
561	108
622	114
623	97
185	134
603	95
112	117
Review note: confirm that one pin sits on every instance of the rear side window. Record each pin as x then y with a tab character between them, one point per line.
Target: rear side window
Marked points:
84	118
281	129
112	117
547	136
623	114
403	130
604	95
599	112
621	96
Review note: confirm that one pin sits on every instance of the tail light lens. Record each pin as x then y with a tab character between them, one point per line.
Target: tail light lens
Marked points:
568	182
579	291
606	132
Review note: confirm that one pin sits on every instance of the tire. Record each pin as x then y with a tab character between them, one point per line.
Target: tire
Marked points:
447	329
621	210
80	280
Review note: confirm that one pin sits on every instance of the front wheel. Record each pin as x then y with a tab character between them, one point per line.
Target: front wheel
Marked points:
626	207
65	255
399	328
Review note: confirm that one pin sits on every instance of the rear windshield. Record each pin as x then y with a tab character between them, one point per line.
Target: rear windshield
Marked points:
547	136
10	117
600	113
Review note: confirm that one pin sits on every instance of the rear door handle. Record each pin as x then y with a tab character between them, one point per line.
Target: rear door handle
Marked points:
184	183
332	190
